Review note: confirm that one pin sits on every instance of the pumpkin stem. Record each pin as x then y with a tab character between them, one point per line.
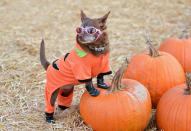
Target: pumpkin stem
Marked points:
185	33
152	51
116	82
188	83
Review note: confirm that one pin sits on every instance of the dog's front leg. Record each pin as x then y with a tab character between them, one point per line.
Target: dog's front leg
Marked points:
90	88
100	82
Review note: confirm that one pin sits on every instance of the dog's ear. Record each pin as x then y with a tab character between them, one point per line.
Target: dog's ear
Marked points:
83	16
103	20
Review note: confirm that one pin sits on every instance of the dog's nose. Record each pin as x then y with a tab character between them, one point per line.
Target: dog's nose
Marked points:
80	36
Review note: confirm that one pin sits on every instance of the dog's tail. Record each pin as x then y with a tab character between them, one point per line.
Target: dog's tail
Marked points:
43	59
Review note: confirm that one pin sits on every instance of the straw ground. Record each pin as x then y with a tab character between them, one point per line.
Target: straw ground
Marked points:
24	23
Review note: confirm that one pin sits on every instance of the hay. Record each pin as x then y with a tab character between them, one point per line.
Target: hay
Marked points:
23	24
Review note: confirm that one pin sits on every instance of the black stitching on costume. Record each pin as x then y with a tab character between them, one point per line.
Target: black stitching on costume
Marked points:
86	80
106	73
66	56
54	65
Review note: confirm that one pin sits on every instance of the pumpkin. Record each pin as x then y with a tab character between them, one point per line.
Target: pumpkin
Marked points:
173	111
180	48
157	71
126	106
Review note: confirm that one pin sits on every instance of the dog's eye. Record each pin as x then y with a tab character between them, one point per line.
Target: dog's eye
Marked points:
91	30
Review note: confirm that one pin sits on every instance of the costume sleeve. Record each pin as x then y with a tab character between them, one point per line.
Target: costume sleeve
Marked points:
82	71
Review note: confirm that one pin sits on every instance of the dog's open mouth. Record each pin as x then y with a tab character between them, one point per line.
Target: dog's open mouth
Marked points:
97	48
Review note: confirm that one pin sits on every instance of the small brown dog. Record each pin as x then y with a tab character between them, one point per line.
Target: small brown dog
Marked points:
90	58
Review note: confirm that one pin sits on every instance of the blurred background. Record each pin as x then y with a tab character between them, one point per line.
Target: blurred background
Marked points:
24	23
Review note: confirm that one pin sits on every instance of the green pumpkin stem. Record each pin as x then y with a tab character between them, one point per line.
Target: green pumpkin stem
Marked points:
116	82
153	52
188	83
185	34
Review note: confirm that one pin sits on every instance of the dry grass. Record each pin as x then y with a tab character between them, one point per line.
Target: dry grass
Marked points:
23	24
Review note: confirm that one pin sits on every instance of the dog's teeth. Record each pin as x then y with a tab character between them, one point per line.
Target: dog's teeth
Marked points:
97	48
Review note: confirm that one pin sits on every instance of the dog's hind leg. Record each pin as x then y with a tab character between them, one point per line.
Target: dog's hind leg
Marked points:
65	96
51	97
50	102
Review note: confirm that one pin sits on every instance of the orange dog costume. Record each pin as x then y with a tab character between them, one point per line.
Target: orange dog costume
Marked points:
76	67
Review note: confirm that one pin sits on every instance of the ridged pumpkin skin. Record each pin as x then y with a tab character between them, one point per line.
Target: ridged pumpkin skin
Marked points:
174	110
127	110
180	49
157	74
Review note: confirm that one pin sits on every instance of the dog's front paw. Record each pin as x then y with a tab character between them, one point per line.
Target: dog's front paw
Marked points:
92	91
102	85
95	92
49	118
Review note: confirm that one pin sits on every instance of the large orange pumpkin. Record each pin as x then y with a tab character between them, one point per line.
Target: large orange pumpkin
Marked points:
180	48
158	71
174	109
116	109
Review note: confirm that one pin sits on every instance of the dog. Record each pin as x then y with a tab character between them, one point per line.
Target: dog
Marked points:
89	58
